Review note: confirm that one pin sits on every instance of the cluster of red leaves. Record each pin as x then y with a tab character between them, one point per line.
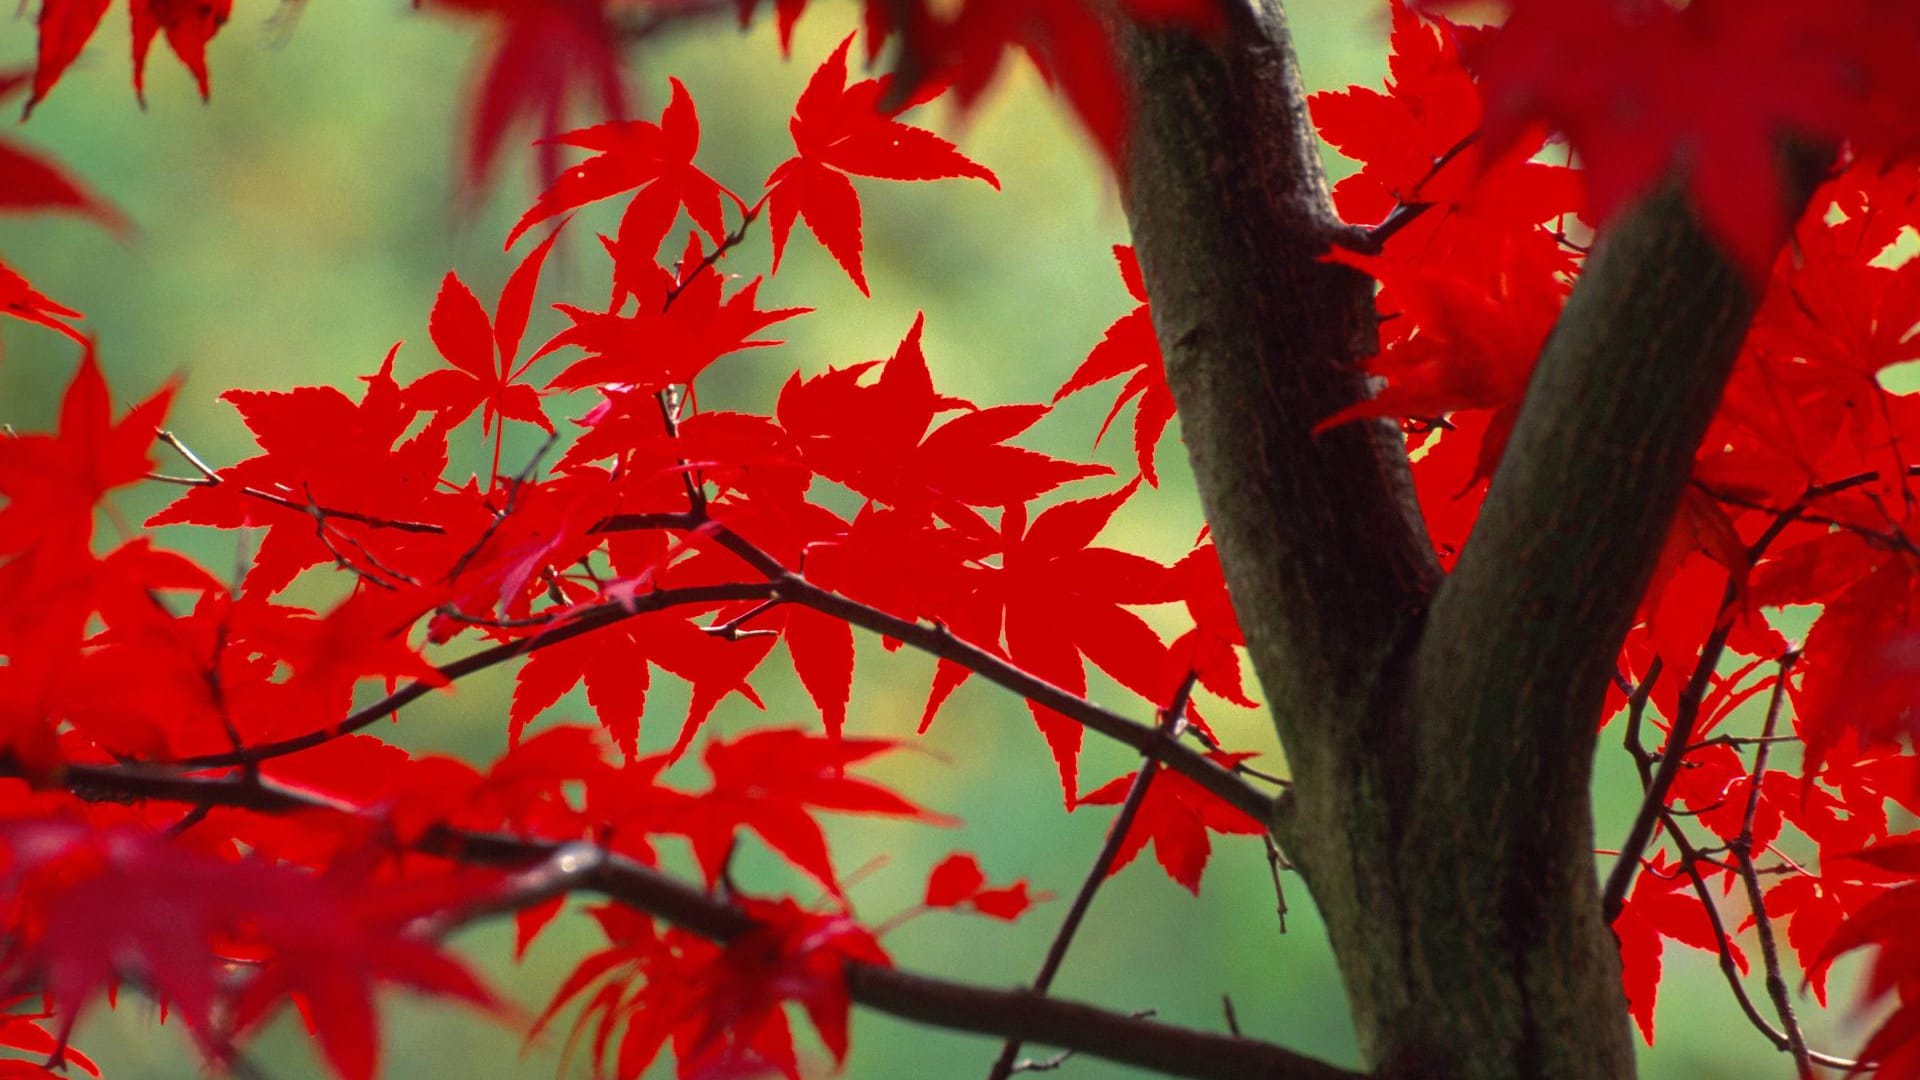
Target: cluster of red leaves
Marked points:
963	45
663	537
1175	817
719	1005
1802	491
1702	93
221	941
542	55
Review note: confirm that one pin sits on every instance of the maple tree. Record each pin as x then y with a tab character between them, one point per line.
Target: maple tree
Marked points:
1526	430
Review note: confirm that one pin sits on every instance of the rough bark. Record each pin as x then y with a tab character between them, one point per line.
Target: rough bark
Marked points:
1512	669
1319	536
1441	733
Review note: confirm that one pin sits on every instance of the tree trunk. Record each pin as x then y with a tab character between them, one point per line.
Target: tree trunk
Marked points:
1440	729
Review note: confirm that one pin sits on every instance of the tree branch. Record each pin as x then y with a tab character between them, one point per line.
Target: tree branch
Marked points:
1521	640
1320	537
1163	1048
1690	858
605	614
1513	664
570	867
783	585
939	641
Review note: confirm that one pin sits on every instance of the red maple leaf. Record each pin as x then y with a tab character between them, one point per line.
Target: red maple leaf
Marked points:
95	906
730	452
1662	905
613	663
365	636
657	159
152	685
1418	146
1062	601
1714	784
1886	921
188	26
323	451
1702	92
524	791
840	129
1208	649
721	1006
1860	676
1130	346
958	882
482	352
662	344
1176	816
904	563
1429	108
66	25
25	1031
875	438
53	482
771	782
156	685
22	301
1813	908
31	183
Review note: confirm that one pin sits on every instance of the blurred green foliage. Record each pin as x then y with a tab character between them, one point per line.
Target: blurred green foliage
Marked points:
293	229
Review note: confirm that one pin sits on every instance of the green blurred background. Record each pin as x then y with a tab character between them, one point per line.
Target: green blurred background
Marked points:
293	229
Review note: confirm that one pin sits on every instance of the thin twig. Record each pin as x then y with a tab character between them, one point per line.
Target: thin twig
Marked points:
211	478
1371	240
670	401
1653	805
594	618
1723	944
731	629
1171	721
1742	848
726	244
1007	1013
193	459
785	585
1277	862
1737	742
1636	712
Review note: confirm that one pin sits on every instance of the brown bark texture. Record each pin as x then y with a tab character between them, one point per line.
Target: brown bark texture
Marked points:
1440	728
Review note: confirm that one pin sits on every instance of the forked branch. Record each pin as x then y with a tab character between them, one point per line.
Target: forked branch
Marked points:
548	868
